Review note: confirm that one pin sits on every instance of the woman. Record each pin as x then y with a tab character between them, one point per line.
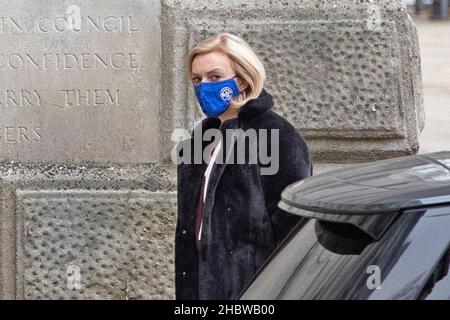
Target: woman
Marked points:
228	221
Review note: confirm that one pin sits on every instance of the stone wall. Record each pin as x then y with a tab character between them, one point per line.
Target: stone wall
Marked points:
90	94
345	73
86	232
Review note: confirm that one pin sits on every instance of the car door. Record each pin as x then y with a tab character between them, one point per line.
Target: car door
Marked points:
402	264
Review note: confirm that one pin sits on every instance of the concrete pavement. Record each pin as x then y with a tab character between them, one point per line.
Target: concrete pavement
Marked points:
434	41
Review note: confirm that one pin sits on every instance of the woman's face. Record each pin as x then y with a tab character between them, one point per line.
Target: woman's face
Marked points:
212	67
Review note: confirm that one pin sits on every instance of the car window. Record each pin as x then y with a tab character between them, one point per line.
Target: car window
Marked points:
441	290
395	267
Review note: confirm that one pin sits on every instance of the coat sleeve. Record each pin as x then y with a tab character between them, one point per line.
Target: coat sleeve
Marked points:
294	164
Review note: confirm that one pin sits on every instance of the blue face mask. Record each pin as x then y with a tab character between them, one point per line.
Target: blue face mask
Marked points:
214	97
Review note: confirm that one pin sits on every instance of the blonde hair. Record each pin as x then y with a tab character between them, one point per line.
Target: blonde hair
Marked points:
244	62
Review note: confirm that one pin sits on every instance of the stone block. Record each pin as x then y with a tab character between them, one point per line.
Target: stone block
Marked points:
345	73
79	82
96	232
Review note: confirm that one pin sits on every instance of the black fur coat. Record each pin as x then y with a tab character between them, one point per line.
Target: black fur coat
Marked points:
242	224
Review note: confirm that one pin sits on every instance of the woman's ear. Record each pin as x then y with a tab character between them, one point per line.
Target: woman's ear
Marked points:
242	84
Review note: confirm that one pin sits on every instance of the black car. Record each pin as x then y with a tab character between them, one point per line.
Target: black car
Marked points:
378	230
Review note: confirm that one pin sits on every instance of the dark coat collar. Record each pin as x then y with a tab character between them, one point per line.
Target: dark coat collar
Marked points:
251	109
256	106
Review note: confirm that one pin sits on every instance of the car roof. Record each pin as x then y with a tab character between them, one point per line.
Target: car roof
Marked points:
383	186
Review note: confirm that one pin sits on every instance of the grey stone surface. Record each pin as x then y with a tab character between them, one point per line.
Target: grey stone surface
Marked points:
79	81
346	73
87	200
112	226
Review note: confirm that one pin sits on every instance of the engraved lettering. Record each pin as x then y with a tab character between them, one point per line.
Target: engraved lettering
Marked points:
21	98
90	97
23	134
69	61
74	21
20	134
11	25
